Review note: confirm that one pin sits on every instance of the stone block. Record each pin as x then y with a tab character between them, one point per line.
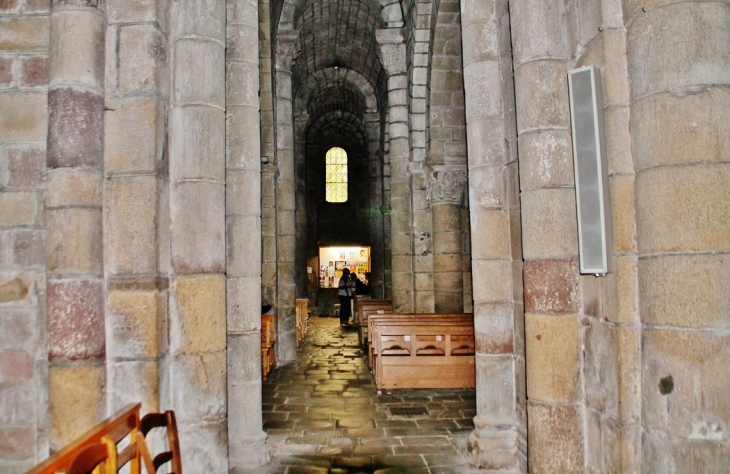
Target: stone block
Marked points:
74	188
19	208
142	57
623	213
133	382
243	252
131	223
132	322
242	86
124	11
198	386
198	227
671	129
198	144
33	72
494	282
485	144
16	442
243	139
556	438
74	241
199	18
199	75
7	74
133	133
17	331
487	187
496	383
26	167
494	327
546	159
75	128
694	219
602	367
550	226
77	55
663	452
199	308
679	46
480	41
629	374
26	33
243	43
627	293
690	291
243	303
244	358
28	248
16	366
18	288
618	140
614	73
490	237
553	356
205	448
684	382
76	320
243	193
541	92
23	116
76	401
483	84
537	29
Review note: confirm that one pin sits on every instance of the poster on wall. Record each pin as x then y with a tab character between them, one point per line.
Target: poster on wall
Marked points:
335	259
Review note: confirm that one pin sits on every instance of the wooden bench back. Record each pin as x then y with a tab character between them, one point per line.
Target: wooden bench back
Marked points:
368	307
123	424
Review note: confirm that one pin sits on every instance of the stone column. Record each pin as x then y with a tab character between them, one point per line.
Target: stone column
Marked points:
303	246
393	56
287	47
74	218
243	238
195	379
679	64
498	442
375	192
446	194
137	92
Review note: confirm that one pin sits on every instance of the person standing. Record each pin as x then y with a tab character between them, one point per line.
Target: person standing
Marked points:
344	291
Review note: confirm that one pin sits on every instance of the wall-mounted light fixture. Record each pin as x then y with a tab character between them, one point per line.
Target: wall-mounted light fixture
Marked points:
264	160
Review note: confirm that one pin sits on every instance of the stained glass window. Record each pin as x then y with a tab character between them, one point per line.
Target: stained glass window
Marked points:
336	175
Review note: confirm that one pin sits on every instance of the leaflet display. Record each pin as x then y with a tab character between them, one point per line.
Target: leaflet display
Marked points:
332	260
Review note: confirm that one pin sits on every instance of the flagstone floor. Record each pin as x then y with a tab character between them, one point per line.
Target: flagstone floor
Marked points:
322	414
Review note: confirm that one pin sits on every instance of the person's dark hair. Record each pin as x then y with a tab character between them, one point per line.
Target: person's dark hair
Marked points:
345	271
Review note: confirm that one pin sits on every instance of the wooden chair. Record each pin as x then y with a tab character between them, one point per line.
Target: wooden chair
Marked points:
160	420
97	458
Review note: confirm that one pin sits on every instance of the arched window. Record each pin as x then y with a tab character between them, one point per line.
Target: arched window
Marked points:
336	175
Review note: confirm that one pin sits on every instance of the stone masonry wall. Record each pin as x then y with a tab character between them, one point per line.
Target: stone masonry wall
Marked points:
24	49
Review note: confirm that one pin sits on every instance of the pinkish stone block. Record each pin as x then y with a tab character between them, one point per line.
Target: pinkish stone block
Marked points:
26	167
33	71
551	286
15	367
76	319
8	6
75	128
37	6
6	71
16	443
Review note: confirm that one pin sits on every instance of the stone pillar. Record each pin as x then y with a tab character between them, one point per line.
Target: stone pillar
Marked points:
287	46
303	245
74	219
375	192
446	194
679	64
498	442
195	379
393	56
243	238
137	92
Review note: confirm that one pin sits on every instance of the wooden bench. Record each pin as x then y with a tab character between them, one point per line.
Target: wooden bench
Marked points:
423	353
302	313
268	338
391	318
124	435
365	308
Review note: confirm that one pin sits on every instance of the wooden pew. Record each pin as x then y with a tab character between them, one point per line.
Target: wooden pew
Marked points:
418	353
302	324
120	427
268	338
124	435
390	318
366	307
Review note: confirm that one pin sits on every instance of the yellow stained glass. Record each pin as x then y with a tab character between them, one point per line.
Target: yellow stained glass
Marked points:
336	175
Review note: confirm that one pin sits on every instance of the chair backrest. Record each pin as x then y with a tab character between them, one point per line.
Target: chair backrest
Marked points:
97	458
161	420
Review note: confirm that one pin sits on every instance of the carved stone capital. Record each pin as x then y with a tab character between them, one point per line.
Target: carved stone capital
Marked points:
287	49
446	186
392	50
